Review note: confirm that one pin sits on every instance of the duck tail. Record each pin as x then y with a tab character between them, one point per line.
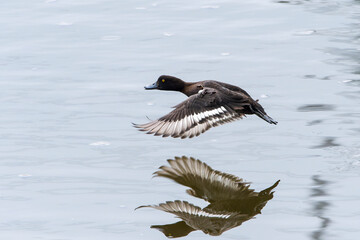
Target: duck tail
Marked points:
266	117
259	111
269	189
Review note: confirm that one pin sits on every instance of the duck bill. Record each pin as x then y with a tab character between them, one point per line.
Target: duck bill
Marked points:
151	86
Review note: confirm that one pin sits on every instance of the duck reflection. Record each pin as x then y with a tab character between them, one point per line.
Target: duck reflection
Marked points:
231	200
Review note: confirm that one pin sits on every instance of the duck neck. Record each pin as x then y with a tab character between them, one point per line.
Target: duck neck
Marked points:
189	89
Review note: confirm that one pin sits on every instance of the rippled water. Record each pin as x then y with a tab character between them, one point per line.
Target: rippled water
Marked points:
72	76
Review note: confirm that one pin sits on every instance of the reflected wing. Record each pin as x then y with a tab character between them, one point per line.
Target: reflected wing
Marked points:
196	218
205	183
184	210
195	115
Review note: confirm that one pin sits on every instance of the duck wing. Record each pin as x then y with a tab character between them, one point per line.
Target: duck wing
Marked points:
235	92
197	114
198	219
205	182
217	84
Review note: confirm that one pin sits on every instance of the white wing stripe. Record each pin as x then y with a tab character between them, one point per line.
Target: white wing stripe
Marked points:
190	125
185	207
211	122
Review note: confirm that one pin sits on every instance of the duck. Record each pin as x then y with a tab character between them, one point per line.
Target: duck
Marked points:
209	104
231	200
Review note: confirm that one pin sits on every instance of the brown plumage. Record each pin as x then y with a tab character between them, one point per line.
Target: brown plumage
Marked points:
231	200
205	182
209	104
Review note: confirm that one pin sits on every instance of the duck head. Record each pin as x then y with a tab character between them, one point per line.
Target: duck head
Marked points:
166	82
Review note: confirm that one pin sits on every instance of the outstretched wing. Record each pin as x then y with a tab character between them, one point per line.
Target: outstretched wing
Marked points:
184	210
196	115
196	218
205	183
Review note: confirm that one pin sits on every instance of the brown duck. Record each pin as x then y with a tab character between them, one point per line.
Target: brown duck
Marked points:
209	104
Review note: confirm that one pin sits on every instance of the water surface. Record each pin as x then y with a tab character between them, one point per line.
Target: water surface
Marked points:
72	77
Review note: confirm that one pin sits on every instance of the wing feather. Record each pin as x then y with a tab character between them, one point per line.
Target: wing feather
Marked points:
194	116
205	182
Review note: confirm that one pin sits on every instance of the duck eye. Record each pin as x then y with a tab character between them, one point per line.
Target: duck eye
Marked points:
163	80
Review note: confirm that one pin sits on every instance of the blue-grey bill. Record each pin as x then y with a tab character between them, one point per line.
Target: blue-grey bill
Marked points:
151	86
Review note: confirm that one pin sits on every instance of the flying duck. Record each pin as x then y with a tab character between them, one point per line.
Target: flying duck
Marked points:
209	104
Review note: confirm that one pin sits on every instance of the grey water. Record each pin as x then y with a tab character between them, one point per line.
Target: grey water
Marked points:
72	76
